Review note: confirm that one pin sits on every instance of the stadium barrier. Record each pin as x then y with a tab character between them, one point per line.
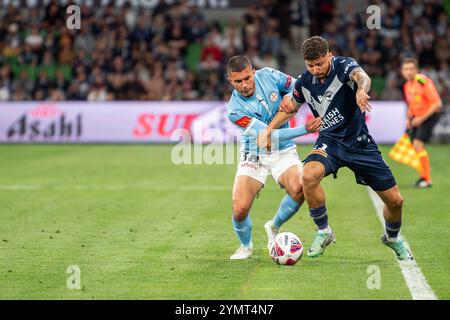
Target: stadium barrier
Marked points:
155	122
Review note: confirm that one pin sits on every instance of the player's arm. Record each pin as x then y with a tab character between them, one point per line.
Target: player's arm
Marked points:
239	118
257	128
363	81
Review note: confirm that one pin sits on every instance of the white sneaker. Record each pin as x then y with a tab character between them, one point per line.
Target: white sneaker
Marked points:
242	253
271	232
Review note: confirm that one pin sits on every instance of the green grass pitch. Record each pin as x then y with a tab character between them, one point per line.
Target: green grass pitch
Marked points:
140	227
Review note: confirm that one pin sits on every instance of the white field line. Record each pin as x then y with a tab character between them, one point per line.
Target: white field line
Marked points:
414	278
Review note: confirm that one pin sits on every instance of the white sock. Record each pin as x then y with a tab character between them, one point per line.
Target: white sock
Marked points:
273	226
247	246
392	239
326	230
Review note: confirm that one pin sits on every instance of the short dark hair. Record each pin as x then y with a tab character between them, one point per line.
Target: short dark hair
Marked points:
315	47
238	63
410	60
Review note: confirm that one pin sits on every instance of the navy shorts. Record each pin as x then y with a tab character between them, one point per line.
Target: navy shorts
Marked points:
365	161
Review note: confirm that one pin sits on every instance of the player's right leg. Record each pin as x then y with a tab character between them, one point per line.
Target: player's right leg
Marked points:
244	192
313	173
370	169
392	213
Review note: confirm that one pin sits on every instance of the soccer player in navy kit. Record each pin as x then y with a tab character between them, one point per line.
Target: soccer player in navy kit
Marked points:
336	89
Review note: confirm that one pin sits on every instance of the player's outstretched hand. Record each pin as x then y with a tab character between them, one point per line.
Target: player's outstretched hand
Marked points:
314	125
287	106
362	99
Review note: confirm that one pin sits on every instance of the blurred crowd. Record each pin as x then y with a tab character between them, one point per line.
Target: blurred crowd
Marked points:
408	28
174	53
169	53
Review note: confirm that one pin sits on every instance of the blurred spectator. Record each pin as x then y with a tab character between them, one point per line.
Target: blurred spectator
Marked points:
299	22
98	90
271	41
211	54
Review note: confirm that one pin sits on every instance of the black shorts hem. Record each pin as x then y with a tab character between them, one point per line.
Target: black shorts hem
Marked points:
381	185
323	160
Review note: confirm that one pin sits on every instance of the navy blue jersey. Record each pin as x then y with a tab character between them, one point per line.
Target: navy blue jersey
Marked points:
335	101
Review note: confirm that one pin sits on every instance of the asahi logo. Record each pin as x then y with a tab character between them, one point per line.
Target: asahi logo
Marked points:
46	123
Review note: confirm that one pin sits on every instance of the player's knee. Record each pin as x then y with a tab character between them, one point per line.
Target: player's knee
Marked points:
396	203
296	191
240	210
310	177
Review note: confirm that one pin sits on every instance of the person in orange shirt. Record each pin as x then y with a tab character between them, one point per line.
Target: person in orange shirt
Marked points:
424	107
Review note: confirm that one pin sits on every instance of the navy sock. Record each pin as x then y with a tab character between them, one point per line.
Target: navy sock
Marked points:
392	228
319	216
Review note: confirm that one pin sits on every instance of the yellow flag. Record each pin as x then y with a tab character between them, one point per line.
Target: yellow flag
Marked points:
404	152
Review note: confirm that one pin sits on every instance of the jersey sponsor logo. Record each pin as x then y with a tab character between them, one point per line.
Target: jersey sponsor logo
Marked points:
288	82
243	122
273	96
249	165
331	118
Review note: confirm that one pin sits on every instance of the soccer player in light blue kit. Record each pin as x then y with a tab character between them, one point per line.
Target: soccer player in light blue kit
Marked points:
253	104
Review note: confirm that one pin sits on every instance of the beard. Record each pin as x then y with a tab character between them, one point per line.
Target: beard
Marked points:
325	74
321	76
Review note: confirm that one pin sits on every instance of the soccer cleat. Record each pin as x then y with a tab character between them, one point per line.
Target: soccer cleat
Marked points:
399	248
422	184
271	232
242	253
320	242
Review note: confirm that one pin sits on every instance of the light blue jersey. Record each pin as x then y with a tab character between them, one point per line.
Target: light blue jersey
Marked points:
271	85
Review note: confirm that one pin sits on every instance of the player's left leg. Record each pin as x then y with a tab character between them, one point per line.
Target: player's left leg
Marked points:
245	190
291	180
286	169
392	213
